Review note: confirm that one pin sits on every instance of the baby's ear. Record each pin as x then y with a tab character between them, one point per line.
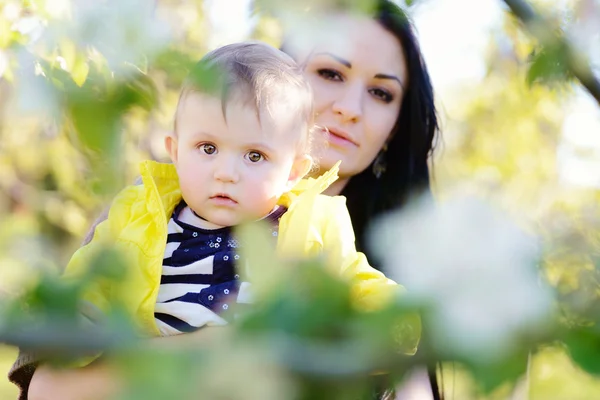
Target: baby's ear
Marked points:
300	168
171	146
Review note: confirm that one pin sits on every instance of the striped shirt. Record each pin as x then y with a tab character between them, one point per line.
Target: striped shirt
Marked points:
200	276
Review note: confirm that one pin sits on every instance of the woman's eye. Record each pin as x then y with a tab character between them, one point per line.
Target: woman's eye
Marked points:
383	95
254	156
208	148
329	74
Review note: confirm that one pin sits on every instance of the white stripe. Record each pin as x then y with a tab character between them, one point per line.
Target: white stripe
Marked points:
173	227
245	294
174	290
187	216
204	266
194	314
171	247
166	329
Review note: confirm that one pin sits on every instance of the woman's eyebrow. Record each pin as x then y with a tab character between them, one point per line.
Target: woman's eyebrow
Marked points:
386	76
348	64
337	58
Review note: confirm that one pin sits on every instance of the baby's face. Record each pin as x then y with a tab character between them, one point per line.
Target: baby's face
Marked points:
235	169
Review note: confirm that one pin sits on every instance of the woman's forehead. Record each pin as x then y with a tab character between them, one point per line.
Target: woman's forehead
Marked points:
361	41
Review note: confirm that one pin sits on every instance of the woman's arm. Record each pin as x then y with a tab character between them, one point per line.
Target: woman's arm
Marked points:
97	381
100	380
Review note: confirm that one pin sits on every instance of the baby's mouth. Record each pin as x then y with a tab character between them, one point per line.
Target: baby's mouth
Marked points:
223	198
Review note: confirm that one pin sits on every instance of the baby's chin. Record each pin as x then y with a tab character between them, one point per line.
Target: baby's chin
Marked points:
221	221
221	217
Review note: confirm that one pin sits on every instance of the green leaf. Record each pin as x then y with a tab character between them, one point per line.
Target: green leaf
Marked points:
80	70
139	91
549	64
583	344
107	264
157	375
509	369
175	64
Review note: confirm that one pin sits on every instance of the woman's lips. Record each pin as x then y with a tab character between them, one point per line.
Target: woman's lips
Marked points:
337	137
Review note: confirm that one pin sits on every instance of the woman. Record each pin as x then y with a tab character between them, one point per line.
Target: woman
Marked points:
374	98
373	94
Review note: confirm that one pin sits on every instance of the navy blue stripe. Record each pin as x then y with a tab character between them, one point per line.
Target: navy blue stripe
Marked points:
199	279
182	260
175	322
174	237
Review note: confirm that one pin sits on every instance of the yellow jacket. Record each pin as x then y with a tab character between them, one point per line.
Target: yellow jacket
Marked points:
137	226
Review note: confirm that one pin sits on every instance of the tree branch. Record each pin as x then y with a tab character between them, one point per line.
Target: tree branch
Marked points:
577	63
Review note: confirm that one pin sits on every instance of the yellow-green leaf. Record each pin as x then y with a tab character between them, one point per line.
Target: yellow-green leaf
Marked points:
68	51
80	71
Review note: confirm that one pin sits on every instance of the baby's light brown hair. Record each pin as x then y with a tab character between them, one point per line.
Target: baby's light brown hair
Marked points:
258	75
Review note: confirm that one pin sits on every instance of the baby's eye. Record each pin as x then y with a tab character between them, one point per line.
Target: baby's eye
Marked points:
208	148
254	156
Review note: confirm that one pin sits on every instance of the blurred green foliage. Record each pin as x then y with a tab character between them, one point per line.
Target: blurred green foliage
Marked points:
73	128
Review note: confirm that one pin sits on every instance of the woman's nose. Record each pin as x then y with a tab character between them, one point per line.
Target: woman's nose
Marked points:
348	106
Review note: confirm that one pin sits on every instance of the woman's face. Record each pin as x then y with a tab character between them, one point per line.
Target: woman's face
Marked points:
358	74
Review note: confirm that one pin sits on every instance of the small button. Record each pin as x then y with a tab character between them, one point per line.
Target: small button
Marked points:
225	258
195	234
225	306
237	257
219	239
212	244
226	291
217	245
274	233
236	276
210	297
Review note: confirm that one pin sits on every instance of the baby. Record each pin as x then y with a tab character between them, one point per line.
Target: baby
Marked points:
240	150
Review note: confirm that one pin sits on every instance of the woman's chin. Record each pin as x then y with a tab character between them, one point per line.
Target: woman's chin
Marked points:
330	158
347	166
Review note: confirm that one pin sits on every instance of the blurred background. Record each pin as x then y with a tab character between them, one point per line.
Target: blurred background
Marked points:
529	146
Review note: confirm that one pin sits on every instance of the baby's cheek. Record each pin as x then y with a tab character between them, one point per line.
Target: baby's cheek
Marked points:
261	197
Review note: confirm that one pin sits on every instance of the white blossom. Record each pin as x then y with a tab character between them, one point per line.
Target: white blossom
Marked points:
123	31
32	27
230	21
472	266
34	93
